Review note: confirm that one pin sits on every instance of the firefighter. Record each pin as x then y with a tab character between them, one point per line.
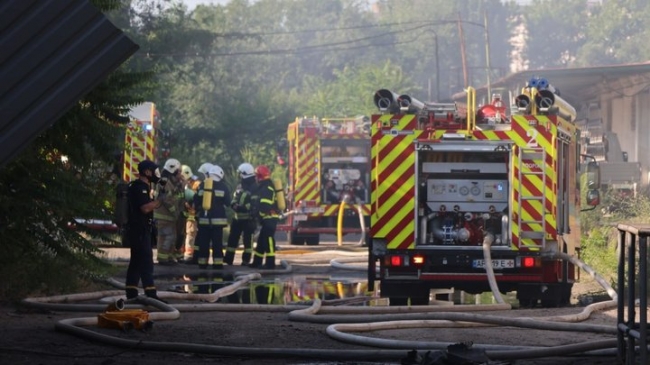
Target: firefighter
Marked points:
191	227
167	215
266	209
186	175
203	170
140	229
242	223
210	203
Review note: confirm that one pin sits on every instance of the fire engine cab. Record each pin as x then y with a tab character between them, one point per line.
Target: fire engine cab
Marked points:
449	180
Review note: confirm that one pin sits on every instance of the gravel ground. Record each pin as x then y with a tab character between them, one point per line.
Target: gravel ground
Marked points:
208	333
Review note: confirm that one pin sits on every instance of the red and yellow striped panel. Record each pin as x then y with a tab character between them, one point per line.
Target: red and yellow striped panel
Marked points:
393	176
393	180
139	144
306	185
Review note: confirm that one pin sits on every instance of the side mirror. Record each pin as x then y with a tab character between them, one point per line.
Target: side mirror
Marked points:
593	175
593	197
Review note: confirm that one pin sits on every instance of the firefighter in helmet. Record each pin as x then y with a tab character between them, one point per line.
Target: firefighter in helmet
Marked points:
242	224
203	170
266	208
191	227
167	215
186	175
210	203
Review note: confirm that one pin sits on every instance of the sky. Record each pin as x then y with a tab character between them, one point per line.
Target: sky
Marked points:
191	4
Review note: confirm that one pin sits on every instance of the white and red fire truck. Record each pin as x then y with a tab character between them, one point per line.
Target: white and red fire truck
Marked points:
446	179
329	172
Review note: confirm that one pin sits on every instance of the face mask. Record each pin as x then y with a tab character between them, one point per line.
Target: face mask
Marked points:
155	177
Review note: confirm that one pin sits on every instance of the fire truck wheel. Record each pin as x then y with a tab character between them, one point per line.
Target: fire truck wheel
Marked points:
312	240
295	239
527	302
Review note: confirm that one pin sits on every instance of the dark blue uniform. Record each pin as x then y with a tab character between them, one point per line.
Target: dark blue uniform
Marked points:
211	222
243	223
140	227
265	204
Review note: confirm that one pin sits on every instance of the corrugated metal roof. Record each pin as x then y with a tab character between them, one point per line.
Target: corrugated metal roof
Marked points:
575	83
53	53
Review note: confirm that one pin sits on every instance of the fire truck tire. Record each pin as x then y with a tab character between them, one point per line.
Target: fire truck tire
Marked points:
526	302
295	239
312	240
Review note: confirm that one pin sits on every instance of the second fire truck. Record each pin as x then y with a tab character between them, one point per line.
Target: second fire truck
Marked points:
329	175
447	181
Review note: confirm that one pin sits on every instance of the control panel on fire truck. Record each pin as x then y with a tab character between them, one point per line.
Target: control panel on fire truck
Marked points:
470	187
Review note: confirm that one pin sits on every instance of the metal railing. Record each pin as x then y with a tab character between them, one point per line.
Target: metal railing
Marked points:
629	331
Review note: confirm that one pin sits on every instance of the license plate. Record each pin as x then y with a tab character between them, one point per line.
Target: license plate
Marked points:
496	264
300	217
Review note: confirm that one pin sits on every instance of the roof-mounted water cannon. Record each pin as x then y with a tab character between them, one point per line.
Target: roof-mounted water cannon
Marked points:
407	103
543	84
522	102
386	100
548	102
533	82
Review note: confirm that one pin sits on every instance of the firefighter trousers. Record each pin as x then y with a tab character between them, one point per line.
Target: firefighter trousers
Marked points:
140	264
210	237
240	228
191	229
265	246
167	231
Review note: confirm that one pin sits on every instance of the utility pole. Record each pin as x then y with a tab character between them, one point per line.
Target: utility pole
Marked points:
462	51
487	56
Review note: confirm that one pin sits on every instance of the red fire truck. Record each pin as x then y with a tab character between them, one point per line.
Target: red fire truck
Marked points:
329	176
448	179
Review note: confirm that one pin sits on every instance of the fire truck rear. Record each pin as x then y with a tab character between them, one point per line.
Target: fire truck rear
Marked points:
140	143
450	182
329	175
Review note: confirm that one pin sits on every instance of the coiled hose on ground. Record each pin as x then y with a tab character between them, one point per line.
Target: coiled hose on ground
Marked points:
342	320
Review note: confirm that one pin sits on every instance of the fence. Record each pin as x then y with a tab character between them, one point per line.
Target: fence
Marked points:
629	331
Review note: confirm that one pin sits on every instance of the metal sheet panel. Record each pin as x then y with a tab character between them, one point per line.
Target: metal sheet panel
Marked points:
54	52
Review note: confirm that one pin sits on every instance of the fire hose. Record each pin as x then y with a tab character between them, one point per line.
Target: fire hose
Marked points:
343	319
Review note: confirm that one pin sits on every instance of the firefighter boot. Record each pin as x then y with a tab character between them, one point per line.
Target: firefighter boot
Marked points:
229	257
257	263
270	263
151	293
131	293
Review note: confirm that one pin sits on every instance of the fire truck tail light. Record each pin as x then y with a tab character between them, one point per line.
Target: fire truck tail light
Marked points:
396	260
530	262
418	260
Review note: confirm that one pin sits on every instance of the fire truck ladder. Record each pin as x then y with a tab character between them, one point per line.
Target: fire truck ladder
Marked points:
525	232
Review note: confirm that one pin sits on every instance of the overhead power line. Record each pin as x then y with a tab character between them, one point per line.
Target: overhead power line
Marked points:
333	46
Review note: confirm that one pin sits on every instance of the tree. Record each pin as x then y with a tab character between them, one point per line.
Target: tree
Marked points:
63	175
556	30
616	33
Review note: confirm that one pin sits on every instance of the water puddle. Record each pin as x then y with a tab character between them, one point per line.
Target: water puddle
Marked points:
276	291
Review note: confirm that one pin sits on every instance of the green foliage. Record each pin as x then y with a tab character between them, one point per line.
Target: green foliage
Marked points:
67	173
617	33
598	250
556	30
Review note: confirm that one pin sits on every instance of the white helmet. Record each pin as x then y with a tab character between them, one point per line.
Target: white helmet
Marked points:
172	166
246	170
216	173
205	168
186	171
